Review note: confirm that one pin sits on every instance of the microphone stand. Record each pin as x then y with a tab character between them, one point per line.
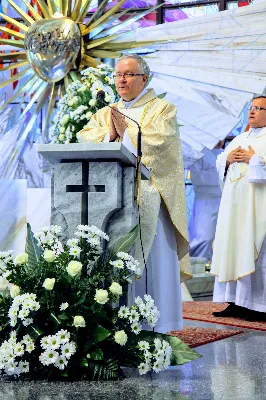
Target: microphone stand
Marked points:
139	154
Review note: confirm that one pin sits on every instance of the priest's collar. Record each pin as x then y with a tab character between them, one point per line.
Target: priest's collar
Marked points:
143	98
255	131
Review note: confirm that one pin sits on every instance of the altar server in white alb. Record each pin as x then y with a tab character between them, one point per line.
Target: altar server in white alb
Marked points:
239	257
204	177
163	208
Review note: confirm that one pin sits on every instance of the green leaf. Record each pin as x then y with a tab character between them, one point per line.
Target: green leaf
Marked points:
123	244
34	331
181	353
95	354
32	248
100	334
162	95
63	316
106	370
84	362
56	320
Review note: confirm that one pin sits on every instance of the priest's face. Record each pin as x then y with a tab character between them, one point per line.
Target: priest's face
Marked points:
257	118
128	86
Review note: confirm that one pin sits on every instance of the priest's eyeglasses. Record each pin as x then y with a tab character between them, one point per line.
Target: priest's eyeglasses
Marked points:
256	108
126	75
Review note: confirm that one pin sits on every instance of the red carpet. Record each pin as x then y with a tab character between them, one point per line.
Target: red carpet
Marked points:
194	337
202	311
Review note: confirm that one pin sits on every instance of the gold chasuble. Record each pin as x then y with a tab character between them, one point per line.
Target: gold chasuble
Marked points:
161	151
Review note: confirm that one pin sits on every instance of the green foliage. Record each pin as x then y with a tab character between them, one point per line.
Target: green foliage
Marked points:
32	249
71	305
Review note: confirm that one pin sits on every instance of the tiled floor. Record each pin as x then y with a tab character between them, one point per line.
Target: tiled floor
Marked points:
230	369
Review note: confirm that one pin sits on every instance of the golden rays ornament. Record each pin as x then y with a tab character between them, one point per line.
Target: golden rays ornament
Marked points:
52	46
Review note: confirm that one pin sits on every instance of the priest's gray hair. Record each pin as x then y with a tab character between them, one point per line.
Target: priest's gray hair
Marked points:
145	69
260	96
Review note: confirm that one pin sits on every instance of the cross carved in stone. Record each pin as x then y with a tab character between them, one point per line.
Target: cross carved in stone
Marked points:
85	188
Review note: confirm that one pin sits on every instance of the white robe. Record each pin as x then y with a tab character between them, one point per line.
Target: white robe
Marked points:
163	271
248	291
204	177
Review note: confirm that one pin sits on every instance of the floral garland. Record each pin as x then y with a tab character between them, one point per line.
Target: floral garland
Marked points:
63	314
80	103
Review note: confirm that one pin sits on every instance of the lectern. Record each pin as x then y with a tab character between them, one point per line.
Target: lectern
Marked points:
93	184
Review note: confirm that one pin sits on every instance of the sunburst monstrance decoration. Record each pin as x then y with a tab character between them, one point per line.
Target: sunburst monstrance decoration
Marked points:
55	43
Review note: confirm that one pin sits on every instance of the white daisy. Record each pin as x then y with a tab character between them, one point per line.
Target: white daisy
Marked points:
61	362
63	336
68	349
63	306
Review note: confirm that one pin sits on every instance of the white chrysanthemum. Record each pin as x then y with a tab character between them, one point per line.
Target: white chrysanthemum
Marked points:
68	349
143	345
27	321
72	242
61	362
63	306
63	336
134	316
123	312
124	256
19	349
75	251
144	368
138	301
136	328
24	366
49	357
117	264
53	342
30	347
45	342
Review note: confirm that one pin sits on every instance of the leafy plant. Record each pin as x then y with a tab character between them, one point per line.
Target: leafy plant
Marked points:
61	319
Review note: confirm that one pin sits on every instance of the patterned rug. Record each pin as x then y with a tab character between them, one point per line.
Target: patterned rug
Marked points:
194	337
202	311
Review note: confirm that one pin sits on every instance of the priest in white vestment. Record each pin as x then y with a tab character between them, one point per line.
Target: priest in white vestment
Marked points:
163	209
202	226
239	257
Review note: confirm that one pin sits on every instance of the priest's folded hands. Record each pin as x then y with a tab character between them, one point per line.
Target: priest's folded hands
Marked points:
118	124
240	155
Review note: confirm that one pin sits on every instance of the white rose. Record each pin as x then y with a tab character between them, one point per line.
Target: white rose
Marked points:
82	89
64	120
14	291
89	115
107	98
21	258
101	296
75	100
74	268
120	338
48	284
49	255
70	103
79	321
62	129
92	102
61	137
116	289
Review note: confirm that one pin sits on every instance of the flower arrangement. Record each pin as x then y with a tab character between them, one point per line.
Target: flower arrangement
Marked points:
80	102
64	314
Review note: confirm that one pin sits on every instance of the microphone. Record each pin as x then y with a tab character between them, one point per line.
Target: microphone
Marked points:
100	97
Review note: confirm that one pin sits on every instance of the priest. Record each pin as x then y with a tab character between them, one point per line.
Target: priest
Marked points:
163	207
239	257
